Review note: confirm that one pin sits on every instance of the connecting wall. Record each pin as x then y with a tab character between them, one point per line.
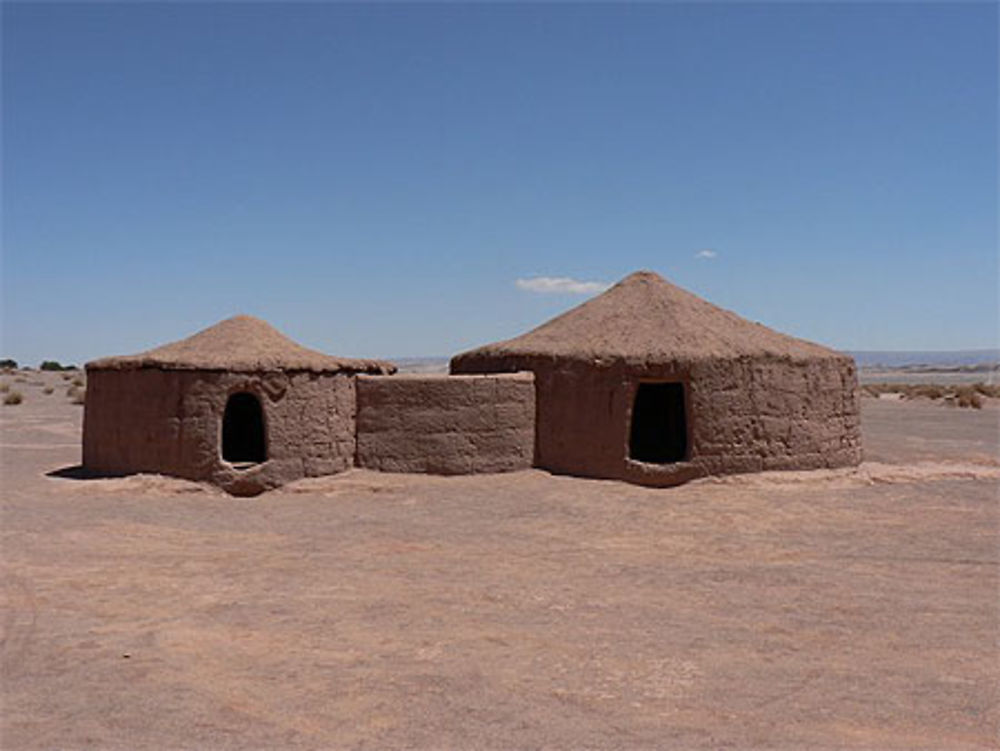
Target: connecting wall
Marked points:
446	424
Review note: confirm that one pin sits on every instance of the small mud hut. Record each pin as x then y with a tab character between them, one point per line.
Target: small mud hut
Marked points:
238	404
652	384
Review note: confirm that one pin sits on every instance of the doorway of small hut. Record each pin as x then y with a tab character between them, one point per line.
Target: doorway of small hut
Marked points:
659	424
243	441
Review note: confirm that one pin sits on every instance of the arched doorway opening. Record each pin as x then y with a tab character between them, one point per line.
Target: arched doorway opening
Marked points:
243	439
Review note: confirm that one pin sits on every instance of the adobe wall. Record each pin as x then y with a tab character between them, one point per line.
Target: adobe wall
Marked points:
760	414
170	422
743	415
445	424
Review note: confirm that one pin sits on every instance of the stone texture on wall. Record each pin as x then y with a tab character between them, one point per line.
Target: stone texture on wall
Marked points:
446	424
169	421
744	414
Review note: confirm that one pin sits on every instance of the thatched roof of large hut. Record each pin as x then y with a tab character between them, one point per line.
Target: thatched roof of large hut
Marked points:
645	319
241	343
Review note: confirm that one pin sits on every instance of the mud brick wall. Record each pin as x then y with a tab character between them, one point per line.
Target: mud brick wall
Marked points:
170	422
446	424
759	414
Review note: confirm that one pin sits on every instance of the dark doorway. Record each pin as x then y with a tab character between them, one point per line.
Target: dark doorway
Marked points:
659	424
243	430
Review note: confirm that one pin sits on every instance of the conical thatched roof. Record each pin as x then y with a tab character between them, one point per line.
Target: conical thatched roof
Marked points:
644	318
241	343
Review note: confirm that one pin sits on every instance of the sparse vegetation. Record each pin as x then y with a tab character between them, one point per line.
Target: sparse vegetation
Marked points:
969	399
78	382
4	387
8	364
53	365
48	390
969	395
14	397
76	395
65	376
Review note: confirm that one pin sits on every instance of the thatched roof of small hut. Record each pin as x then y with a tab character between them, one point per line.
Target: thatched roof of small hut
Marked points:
241	343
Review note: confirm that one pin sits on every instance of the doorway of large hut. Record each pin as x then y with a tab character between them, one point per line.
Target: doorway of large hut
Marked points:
659	424
243	441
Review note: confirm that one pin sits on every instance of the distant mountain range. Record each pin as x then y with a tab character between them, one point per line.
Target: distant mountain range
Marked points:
977	359
426	365
959	358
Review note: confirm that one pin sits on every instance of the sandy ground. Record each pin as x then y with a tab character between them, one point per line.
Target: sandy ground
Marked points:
843	609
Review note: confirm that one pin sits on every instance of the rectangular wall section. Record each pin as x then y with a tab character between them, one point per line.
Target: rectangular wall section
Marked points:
446	424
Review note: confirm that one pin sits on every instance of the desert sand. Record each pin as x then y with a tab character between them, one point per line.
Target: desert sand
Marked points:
839	609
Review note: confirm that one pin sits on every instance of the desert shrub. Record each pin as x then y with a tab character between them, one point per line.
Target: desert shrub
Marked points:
928	390
968	396
76	395
65	376
50	365
48	390
8	364
987	389
876	389
4	388
78	382
14	397
954	396
973	400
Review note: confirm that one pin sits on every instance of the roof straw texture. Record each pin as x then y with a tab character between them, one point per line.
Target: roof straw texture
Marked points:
644	318
242	343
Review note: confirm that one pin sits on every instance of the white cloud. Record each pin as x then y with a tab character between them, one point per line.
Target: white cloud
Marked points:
560	285
706	253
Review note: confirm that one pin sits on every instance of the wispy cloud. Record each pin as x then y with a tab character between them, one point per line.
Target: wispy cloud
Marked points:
706	253
560	285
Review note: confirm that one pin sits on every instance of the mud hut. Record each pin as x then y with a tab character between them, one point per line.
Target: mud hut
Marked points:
652	384
238	404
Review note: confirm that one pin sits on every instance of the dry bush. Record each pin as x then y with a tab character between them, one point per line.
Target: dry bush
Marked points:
967	396
14	397
76	395
991	390
78	382
4	388
48	390
65	376
956	396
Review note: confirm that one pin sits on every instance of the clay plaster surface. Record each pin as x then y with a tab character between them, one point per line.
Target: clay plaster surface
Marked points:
446	424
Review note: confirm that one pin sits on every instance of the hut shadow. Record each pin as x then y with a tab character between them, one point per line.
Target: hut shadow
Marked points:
79	472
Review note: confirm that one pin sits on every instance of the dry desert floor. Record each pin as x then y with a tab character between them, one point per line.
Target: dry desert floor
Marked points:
850	609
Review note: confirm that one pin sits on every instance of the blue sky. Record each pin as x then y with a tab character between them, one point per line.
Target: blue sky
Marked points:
375	179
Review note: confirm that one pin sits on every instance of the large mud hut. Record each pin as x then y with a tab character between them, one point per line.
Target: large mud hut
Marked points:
652	384
238	404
